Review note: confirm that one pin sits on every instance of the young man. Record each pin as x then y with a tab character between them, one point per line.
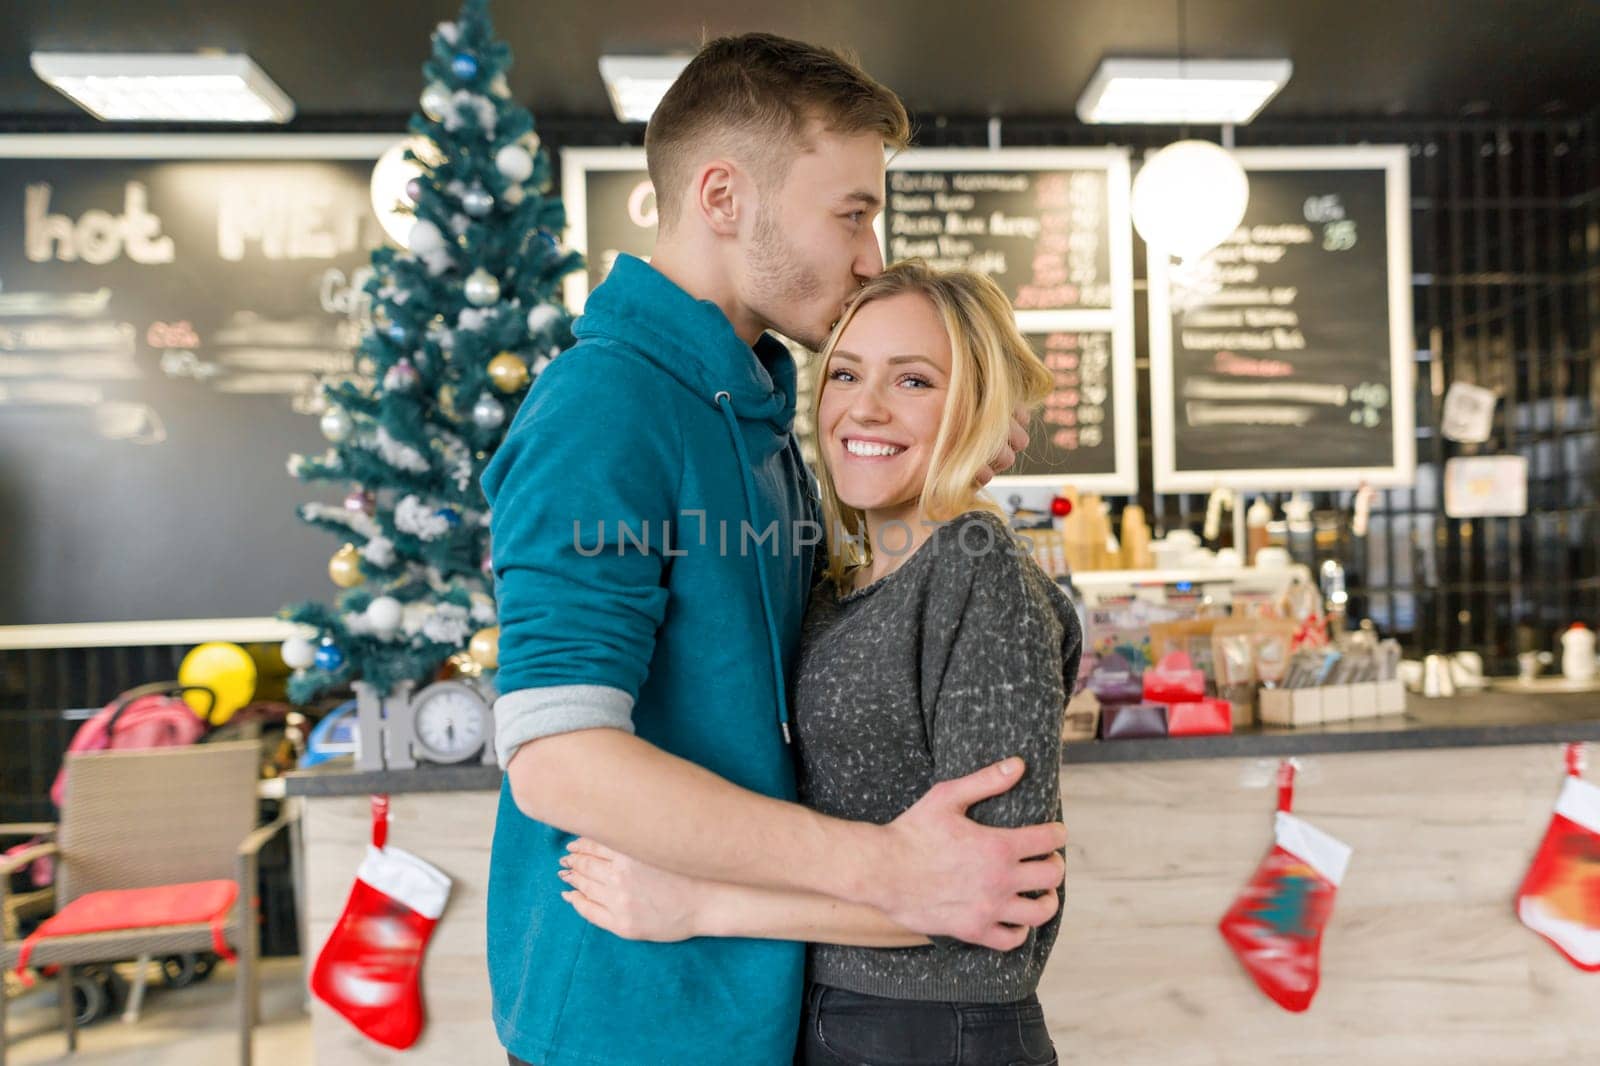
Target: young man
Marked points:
654	530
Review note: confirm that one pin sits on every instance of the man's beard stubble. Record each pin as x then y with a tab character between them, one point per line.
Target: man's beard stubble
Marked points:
779	280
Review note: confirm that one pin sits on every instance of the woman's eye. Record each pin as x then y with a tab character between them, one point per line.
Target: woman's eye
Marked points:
919	382
839	375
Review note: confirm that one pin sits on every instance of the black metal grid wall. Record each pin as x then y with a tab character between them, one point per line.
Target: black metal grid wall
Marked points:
1506	276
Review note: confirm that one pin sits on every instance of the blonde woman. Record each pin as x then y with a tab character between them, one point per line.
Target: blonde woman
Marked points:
933	646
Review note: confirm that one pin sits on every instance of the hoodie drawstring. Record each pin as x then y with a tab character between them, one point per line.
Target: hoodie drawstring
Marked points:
724	401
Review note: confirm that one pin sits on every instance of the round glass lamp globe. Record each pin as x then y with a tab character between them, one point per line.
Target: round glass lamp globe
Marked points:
1188	198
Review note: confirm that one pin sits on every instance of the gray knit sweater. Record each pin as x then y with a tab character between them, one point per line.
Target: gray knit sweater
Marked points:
957	659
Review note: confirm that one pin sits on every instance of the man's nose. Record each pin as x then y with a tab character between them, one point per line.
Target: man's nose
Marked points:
869	261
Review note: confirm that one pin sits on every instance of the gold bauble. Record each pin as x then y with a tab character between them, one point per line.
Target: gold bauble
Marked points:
508	372
485	648
447	399
345	567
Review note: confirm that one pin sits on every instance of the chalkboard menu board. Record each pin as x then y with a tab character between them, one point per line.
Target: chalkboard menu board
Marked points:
1049	225
167	308
1076	429
1283	358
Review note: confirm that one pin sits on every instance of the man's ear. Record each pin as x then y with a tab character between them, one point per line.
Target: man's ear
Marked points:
715	196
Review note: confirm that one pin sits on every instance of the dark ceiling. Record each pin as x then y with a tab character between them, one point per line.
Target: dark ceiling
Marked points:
1512	58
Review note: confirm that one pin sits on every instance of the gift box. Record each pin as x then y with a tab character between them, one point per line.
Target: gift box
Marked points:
1113	681
1174	680
1133	721
1200	718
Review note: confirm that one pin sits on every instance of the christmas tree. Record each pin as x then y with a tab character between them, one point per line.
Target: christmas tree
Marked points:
462	320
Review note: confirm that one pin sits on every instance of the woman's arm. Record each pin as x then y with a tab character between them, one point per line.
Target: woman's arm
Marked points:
637	901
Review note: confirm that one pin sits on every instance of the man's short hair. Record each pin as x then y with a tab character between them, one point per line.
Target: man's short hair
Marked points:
763	90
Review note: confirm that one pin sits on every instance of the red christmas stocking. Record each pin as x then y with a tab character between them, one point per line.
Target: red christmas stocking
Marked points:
1560	897
369	969
1275	925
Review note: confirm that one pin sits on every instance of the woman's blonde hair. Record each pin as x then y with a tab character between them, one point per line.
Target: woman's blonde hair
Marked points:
993	371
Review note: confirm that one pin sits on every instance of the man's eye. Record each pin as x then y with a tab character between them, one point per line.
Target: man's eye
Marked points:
856	216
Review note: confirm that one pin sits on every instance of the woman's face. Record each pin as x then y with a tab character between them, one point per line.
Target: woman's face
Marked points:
882	398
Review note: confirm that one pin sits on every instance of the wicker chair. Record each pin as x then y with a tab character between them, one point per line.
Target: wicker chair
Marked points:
135	819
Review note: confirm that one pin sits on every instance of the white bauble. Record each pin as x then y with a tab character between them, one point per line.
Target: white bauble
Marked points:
514	162
435	100
481	288
337	423
383	614
425	239
298	653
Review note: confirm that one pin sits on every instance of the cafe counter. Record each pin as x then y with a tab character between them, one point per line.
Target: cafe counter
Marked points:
1423	960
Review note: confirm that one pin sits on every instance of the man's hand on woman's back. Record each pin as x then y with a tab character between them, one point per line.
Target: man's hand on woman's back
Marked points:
943	874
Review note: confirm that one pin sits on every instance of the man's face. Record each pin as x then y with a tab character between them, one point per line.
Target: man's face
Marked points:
811	243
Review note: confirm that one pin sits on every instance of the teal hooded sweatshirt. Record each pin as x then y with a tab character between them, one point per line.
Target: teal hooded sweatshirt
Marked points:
653	541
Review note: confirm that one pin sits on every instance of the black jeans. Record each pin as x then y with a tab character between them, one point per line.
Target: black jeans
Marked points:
841	1028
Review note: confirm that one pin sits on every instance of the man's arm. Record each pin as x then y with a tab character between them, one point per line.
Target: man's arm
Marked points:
932	869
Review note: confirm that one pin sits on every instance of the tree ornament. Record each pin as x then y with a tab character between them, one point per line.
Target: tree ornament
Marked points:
362	501
530	141
482	288
383	614
451	516
487	413
508	372
337	424
515	162
512	195
1060	506
328	656
485	648
297	653
400	377
414	190
542	318
477	202
425	238
464	66
397	333
435	100
345	567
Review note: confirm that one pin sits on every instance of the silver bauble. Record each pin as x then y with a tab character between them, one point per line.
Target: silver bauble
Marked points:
482	288
477	202
488	412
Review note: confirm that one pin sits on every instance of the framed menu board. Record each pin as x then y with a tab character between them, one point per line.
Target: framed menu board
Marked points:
1284	357
1051	227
